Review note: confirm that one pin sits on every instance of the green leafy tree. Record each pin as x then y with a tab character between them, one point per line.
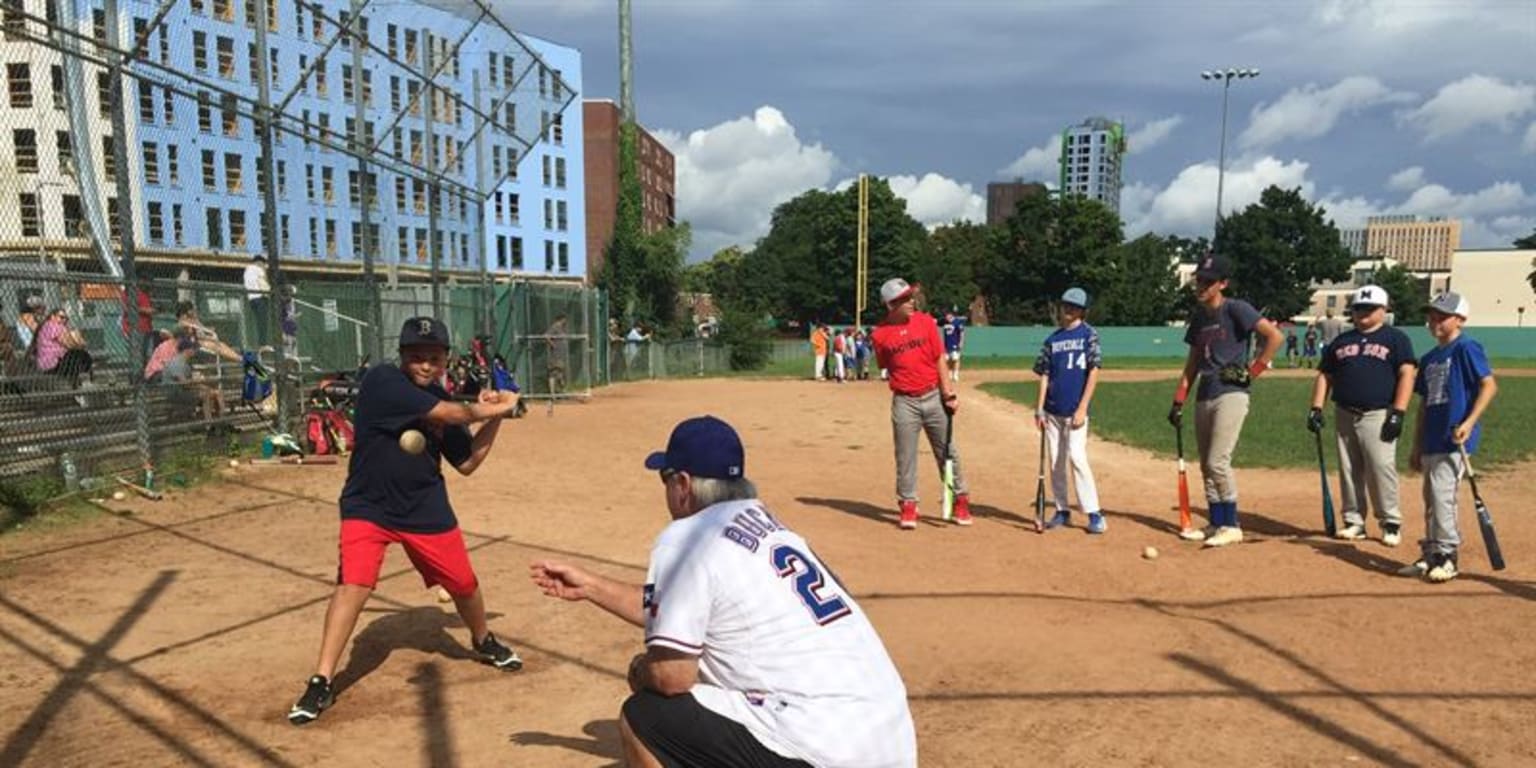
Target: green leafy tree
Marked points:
1527	242
947	270
659	278
1047	246
1143	286
1407	292
1280	247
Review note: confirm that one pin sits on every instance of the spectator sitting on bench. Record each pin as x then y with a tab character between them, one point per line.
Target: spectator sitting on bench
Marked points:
187	321
180	383
27	321
165	349
61	349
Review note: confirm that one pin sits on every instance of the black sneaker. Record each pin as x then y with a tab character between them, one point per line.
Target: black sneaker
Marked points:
316	699
498	655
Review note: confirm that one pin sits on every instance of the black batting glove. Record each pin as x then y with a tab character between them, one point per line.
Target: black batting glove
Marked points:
1392	428
1315	420
1176	415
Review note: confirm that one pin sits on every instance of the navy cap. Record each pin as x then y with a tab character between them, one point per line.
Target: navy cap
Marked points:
1214	267
703	446
424	330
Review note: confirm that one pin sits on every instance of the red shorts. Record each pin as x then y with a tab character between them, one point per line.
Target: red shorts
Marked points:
440	558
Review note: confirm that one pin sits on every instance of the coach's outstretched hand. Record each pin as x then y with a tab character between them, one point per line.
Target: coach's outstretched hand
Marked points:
566	582
1315	420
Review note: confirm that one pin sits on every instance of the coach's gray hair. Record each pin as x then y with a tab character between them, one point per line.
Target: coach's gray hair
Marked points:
708	491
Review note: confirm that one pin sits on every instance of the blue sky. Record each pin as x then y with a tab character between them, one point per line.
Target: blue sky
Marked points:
1370	106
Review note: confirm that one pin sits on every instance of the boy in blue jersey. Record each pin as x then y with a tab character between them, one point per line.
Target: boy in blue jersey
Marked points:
1455	384
954	339
1068	367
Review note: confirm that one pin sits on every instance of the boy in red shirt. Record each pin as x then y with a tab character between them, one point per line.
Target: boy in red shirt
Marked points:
907	344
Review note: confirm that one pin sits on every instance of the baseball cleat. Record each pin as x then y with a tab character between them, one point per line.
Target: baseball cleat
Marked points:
1096	523
316	699
1351	532
1197	534
1444	569
963	509
1391	535
1227	534
908	515
1062	519
497	655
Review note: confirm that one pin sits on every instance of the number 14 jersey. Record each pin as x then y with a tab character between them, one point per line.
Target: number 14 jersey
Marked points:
783	648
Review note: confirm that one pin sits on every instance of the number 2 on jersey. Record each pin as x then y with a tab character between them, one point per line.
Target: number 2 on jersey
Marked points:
789	561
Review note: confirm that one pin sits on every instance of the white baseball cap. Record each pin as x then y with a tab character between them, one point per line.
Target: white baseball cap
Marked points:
1370	296
1451	303
895	289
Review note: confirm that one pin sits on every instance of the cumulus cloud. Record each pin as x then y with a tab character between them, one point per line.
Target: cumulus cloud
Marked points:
1042	162
1407	179
935	200
1151	134
1491	217
1529	145
1309	112
731	176
1187	205
1471	102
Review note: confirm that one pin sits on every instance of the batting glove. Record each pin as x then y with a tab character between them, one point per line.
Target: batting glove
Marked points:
1315	420
1392	428
1176	415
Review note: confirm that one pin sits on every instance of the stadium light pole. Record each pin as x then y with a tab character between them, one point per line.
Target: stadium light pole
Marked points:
1225	77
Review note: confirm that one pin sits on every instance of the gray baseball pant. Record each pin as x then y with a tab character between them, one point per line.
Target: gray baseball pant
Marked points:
910	416
1442	478
1367	466
1218	424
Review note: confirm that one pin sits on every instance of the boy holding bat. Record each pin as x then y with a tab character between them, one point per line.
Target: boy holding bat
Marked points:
1068	367
1455	385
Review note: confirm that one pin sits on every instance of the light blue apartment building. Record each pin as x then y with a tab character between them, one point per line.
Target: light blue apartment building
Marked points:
514	191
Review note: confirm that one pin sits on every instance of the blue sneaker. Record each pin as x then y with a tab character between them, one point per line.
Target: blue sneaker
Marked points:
1095	522
1063	519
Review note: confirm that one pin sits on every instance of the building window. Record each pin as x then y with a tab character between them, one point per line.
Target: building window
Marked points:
421	244
410	47
327	184
548	171
176	229
557	130
108	159
172	165
215	229
150	151
321	88
354	190
549	256
233	182
402	241
564	257
31	219
549	214
560	173
74	216
15	21
331	246
346	80
314	237
104	92
282	179
418	196
231	116
25	142
517	253
66	154
156	218
223	10
560	215
146	103
56	73
199	50
514	208
400	194
210	171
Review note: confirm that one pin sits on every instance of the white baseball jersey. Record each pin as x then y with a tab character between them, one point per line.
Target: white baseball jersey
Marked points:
783	649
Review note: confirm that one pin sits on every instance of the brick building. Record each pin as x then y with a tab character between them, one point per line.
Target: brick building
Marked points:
657	180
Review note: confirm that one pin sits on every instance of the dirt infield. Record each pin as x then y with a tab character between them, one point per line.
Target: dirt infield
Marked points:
180	634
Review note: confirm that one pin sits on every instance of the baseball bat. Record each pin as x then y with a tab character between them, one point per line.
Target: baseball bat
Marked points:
147	493
297	460
1040	488
1484	517
1185	523
948	509
1329	524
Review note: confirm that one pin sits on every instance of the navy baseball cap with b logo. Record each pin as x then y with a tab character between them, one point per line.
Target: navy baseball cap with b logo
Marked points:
703	446
424	330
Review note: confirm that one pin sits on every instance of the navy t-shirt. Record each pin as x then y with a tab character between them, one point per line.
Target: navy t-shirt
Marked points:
1363	367
1219	338
1449	380
385	485
1066	357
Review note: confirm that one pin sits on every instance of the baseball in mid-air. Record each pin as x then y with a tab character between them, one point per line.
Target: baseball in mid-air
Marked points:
1150	553
412	441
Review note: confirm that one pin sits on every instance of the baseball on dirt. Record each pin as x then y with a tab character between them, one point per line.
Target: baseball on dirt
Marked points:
234	462
119	495
1150	553
412	441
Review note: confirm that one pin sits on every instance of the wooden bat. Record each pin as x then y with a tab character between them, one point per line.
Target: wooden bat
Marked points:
296	460
1185	523
147	493
1040	488
1484	518
1329	524
948	510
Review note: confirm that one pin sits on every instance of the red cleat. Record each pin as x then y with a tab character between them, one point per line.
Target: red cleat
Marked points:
909	515
963	509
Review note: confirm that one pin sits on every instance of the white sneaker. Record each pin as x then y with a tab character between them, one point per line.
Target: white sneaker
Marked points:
1197	534
1415	570
1444	570
1227	534
1391	536
1351	532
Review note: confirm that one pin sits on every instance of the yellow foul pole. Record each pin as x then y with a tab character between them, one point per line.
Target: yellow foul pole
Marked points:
861	265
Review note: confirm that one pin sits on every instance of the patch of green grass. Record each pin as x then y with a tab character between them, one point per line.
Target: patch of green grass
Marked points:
1275	434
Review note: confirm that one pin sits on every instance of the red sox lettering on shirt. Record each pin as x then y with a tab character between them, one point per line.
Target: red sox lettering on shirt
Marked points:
910	351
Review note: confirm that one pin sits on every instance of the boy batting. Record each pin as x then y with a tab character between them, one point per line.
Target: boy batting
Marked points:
392	496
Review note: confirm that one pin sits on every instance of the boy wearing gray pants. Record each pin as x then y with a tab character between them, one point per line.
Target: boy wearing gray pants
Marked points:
1455	384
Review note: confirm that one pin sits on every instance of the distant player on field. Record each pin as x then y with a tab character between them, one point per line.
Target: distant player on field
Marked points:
755	654
1068	367
954	341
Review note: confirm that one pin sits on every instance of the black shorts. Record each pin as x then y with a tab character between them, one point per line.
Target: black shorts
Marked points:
682	733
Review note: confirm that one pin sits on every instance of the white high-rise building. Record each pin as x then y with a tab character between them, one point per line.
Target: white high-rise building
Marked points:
1091	159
